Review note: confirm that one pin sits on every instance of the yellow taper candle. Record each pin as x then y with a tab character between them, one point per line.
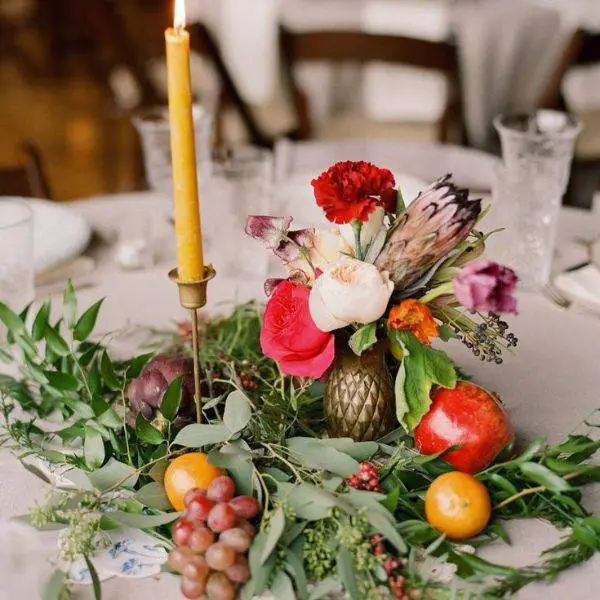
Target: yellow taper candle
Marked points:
190	259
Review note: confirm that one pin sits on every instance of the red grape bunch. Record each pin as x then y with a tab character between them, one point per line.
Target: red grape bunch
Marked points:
212	539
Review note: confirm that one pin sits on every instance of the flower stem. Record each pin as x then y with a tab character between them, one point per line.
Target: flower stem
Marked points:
357	227
445	289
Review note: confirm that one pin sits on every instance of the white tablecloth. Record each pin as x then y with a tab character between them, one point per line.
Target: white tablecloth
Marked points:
548	386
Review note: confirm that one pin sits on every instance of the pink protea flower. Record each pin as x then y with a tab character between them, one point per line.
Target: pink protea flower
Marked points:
487	286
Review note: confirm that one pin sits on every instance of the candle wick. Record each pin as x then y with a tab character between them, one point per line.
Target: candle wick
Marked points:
179	29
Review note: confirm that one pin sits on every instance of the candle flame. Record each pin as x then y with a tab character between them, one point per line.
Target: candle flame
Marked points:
179	20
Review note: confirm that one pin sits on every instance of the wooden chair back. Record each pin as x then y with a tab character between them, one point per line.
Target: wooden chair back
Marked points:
360	47
27	178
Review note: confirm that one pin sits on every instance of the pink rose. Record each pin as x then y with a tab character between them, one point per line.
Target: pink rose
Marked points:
487	286
289	334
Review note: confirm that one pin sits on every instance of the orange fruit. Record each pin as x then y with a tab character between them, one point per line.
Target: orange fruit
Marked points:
458	505
187	472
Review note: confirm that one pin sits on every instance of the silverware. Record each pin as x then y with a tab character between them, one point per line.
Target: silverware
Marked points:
556	297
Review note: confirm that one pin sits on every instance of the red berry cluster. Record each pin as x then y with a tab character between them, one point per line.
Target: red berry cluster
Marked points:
212	539
366	479
393	567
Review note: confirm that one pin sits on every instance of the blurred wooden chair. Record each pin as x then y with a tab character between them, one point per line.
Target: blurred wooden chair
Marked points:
27	178
360	48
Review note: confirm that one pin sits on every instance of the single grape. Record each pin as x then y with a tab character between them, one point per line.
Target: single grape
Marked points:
220	557
221	517
218	587
193	494
182	531
179	558
236	538
198	509
221	489
196	569
239	571
246	526
201	539
192	588
245	507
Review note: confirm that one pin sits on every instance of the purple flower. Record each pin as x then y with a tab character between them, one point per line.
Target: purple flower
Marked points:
487	286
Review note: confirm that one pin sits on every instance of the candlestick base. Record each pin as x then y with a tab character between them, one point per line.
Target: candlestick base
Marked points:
192	295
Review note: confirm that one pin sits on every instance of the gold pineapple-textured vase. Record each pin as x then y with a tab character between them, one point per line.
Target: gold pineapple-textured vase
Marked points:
359	397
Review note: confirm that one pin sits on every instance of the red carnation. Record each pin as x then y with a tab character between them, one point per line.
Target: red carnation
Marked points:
353	190
289	334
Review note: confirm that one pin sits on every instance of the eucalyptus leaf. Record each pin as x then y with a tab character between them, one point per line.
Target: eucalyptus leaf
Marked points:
282	588
54	586
86	323
358	450
146	432
198	435
276	527
93	447
111	473
307	501
239	467
79	478
364	338
346	570
295	568
238	411
172	399
314	453
323	588
153	495
36	471
261	573
140	521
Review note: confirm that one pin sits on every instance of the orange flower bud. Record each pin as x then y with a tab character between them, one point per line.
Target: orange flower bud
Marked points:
410	314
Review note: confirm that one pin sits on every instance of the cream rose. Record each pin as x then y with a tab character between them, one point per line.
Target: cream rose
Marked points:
349	291
323	246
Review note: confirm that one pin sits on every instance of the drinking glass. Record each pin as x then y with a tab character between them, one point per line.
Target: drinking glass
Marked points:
537	150
155	133
240	185
17	272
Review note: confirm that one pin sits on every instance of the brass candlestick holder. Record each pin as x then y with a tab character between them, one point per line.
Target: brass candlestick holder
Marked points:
192	296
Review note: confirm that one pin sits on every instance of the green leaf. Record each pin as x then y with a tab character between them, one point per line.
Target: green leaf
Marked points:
446	333
534	449
95	579
36	471
295	568
390	502
507	485
146	432
544	476
86	323
12	321
238	463
238	411
111	473
400	204
357	450
79	478
307	501
172	399
324	587
56	343
198	435
108	373
63	381
139	521
261	573
70	305
346	570
422	367
276	527
363	338
41	322
134	366
315	454
54	586
93	448
586	535
282	588
153	495
479	565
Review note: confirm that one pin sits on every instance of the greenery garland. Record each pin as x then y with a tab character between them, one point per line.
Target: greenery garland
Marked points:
266	429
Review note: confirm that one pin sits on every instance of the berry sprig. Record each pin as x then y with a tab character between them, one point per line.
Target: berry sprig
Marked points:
366	479
212	539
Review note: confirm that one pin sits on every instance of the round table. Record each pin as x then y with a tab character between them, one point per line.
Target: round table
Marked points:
548	386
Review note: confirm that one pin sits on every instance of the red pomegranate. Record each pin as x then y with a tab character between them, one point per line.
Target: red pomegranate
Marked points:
469	417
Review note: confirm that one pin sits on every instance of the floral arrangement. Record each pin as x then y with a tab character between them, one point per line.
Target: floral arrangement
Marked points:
407	274
259	499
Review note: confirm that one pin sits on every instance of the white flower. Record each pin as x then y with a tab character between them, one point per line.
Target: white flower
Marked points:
323	247
368	230
349	291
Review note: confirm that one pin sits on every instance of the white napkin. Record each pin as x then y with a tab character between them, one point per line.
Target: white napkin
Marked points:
581	286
